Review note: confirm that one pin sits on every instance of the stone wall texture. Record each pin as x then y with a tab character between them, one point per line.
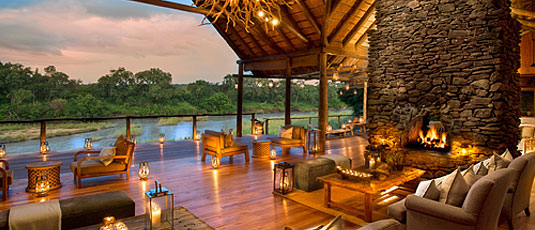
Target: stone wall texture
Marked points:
454	60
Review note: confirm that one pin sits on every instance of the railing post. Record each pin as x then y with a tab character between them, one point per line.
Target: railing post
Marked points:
309	120
128	129
43	133
194	127
253	124
267	126
339	125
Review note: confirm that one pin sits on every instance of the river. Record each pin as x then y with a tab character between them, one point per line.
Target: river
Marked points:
150	131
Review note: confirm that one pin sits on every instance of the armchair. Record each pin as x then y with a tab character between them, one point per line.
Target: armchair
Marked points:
6	177
91	166
480	210
213	143
299	139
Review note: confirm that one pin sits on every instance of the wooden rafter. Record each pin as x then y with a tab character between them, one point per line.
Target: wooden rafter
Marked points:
232	30
325	25
309	16
173	5
285	38
290	23
361	22
228	39
364	36
338	29
264	37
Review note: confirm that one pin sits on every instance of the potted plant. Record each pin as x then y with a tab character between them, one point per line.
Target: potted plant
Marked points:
395	160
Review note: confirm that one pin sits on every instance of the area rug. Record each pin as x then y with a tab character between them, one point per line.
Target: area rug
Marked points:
184	219
354	199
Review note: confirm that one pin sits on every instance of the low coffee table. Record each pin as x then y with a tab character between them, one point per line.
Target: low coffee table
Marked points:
49	169
372	189
261	148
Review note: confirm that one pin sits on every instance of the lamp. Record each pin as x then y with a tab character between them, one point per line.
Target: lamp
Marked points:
236	85
44	147
162	138
341	93
271	84
159	208
133	139
215	162
302	85
88	143
355	92
346	86
273	154
2	151
109	223
143	171
329	127
283	174
335	76
198	135
42	186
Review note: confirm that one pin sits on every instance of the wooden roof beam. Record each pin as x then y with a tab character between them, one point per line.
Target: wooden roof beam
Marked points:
285	39
309	16
232	30
338	29
361	22
229	41
364	36
289	22
173	5
325	25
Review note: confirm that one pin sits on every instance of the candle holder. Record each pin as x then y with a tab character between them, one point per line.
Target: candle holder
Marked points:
273	154
42	186
215	162
198	135
143	171
88	143
161	138
133	139
2	151
283	178
45	148
109	223
159	208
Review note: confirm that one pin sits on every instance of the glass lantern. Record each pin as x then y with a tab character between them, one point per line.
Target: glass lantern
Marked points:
273	154
159	208
45	148
2	151
162	138
215	162
143	171
198	135
283	177
109	223
42	186
88	143
133	139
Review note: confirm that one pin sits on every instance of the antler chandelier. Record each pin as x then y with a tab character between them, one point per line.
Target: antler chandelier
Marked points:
243	12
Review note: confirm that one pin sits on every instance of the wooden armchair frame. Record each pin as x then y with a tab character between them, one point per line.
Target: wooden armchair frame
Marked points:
5	181
302	144
78	175
218	153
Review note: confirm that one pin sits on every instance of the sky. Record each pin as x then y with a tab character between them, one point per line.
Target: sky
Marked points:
88	38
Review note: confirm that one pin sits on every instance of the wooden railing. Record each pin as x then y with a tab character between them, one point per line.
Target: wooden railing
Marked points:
127	118
266	120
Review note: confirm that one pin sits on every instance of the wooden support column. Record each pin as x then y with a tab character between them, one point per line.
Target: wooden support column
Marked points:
287	108
194	121
240	101
323	101
43	133
128	128
365	102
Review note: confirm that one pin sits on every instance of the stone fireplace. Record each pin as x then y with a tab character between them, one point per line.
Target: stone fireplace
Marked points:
452	65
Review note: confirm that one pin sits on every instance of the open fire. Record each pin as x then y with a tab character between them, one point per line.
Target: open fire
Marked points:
435	137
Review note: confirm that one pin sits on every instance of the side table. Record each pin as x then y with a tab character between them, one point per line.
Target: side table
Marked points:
50	169
261	148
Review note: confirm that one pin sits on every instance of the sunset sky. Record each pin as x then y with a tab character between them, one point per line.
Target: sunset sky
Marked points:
87	38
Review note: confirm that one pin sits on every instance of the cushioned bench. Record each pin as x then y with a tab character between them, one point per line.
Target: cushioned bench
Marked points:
306	171
88	210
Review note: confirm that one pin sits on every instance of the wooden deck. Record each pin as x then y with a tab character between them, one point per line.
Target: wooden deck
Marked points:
236	196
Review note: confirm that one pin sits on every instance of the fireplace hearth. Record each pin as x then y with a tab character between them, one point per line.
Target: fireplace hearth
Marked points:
428	133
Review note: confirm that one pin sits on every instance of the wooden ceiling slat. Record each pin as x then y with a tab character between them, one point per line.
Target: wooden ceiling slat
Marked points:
291	25
309	16
245	44
285	39
338	29
361	22
228	40
364	36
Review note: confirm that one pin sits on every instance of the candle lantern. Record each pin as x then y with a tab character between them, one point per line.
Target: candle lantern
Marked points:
143	171
162	138
273	154
42	186
283	177
344	125
109	223
215	162
271	84
346	87
159	208
2	151
88	143
355	92
133	139
198	135
236	85
44	147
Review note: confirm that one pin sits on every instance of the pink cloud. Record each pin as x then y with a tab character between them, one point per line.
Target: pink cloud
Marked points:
86	46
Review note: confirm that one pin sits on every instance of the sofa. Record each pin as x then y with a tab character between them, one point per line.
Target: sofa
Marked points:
88	210
299	139
219	144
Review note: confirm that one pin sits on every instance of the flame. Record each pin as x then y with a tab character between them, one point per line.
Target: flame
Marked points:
433	138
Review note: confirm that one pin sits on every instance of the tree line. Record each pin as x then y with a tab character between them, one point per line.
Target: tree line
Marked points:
30	94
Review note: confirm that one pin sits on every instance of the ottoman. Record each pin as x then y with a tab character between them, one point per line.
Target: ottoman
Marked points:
307	171
339	160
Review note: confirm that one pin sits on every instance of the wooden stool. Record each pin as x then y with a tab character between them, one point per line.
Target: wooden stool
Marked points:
50	169
261	148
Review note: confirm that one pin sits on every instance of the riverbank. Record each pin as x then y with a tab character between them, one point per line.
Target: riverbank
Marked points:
11	133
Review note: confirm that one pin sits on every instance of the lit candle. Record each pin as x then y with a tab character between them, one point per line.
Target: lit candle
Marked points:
156	214
372	163
383	140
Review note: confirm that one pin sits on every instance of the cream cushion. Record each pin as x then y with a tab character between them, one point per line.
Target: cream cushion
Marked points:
496	162
527	132
470	176
480	169
107	152
286	132
507	155
428	189
453	189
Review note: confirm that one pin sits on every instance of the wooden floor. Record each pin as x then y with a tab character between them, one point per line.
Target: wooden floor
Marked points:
236	196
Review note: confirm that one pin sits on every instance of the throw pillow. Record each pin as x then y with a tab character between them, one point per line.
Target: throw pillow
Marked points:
470	176
335	224
229	139
428	189
480	169
286	132
507	155
453	189
107	152
121	148
496	162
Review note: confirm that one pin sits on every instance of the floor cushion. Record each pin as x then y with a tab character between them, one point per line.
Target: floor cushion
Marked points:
306	172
